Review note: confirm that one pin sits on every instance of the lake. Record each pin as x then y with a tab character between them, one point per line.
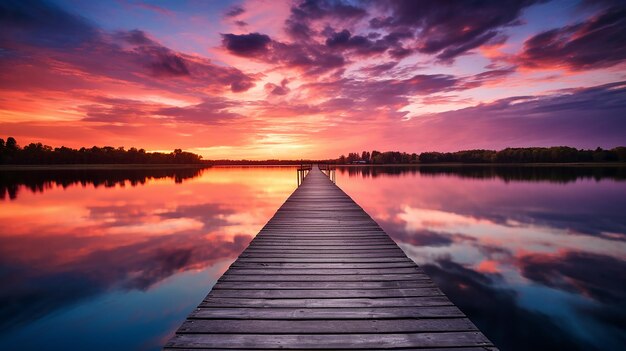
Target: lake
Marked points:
116	259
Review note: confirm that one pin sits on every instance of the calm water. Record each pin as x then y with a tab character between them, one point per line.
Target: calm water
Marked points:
116	259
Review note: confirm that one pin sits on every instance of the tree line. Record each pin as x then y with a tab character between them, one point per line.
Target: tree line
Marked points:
37	153
556	154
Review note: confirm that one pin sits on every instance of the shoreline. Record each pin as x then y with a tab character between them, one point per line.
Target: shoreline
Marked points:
103	166
541	164
203	166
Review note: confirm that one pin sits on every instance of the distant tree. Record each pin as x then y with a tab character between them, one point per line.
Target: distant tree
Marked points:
365	156
556	154
352	157
37	153
375	157
620	153
11	144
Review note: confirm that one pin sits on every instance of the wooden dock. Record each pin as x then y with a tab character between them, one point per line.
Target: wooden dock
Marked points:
322	274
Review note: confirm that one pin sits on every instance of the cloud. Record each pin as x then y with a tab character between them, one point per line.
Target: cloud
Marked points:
359	97
595	43
281	89
246	45
234	11
212	110
119	111
587	117
379	69
43	24
303	13
360	44
310	58
40	35
449	29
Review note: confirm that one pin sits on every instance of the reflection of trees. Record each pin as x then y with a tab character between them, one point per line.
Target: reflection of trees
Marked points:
558	174
40	180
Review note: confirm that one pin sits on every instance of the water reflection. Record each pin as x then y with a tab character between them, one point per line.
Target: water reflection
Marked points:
111	259
14	181
122	263
549	173
534	255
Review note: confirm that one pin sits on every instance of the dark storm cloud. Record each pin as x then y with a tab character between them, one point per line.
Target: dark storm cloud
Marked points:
451	28
596	43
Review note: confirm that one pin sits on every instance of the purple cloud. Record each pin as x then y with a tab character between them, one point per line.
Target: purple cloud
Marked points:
595	43
312	58
212	110
298	25
246	45
234	11
36	31
586	118
449	29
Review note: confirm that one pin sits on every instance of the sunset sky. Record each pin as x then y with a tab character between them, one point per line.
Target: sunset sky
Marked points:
313	79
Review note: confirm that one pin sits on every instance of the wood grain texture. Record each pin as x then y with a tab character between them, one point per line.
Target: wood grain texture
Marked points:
322	274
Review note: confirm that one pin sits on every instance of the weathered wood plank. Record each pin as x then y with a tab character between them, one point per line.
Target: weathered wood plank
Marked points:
327	313
321	294
260	326
321	277
321	271
322	260
333	341
405	264
328	255
394	301
480	348
324	285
